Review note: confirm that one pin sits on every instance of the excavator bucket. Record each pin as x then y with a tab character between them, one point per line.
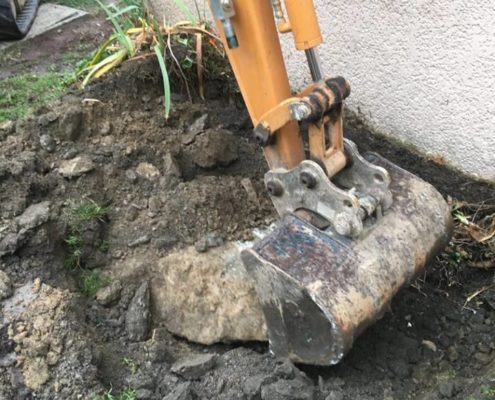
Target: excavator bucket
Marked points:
319	290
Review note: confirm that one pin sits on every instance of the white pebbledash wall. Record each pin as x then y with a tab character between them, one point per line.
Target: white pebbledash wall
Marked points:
422	71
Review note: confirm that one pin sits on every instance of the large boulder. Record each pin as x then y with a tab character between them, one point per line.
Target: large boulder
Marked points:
207	297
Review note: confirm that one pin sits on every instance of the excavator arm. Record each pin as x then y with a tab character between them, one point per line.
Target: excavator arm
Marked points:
354	229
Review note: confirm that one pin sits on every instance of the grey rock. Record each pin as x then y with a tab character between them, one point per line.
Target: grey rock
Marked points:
214	148
165	241
143	394
139	241
34	216
76	167
198	125
105	128
9	244
252	386
210	241
47	143
447	389
196	367
137	317
131	175
183	391
109	294
335	395
8	360
286	370
283	389
5	285
46	119
171	172
201	245
69	127
70	153
154	204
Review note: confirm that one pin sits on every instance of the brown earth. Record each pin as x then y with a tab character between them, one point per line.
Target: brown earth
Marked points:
168	184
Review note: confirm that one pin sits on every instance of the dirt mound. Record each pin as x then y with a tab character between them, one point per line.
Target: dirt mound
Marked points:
99	189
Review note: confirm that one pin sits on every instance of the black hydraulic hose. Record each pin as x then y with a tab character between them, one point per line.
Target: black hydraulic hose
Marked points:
16	27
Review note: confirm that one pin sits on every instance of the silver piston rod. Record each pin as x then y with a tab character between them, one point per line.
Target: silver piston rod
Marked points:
314	64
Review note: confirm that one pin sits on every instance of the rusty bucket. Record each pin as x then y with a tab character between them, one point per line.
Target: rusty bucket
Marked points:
320	290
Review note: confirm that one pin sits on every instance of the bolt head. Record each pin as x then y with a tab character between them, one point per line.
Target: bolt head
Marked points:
308	179
275	188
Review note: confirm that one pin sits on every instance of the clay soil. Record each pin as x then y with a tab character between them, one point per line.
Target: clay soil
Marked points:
167	184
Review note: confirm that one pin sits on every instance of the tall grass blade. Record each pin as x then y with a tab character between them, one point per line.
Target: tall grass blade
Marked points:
166	82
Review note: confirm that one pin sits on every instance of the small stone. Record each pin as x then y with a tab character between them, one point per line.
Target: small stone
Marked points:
47	143
429	345
214	148
252	386
201	245
76	167
285	370
9	359
105	128
137	317
147	170
139	241
143	394
45	119
164	242
34	216
109	294
483	358
154	204
5	285
335	395
70	153
447	389
288	390
9	244
171	172
131	175
183	391
69	127
214	240
198	125
7	127
195	368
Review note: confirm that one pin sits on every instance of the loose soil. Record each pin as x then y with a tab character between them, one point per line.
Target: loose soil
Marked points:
166	184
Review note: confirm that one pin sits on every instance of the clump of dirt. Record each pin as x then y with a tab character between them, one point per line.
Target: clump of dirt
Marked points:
161	185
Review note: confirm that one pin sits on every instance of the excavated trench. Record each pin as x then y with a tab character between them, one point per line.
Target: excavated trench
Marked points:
116	227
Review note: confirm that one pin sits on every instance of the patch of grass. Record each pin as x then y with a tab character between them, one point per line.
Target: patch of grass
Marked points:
91	282
22	93
126	394
75	215
488	390
131	364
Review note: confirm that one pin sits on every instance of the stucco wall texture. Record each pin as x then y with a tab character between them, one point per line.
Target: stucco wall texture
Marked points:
422	71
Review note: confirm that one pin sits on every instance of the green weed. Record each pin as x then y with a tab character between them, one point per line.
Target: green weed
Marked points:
91	282
75	215
488	390
131	364
126	394
22	93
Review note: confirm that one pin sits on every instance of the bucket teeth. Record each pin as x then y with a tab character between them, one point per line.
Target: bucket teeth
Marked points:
320	290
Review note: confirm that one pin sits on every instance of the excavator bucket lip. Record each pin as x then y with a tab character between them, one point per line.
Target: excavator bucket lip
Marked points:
320	290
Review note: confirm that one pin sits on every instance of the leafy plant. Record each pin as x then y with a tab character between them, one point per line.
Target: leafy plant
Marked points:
91	282
137	36
131	364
